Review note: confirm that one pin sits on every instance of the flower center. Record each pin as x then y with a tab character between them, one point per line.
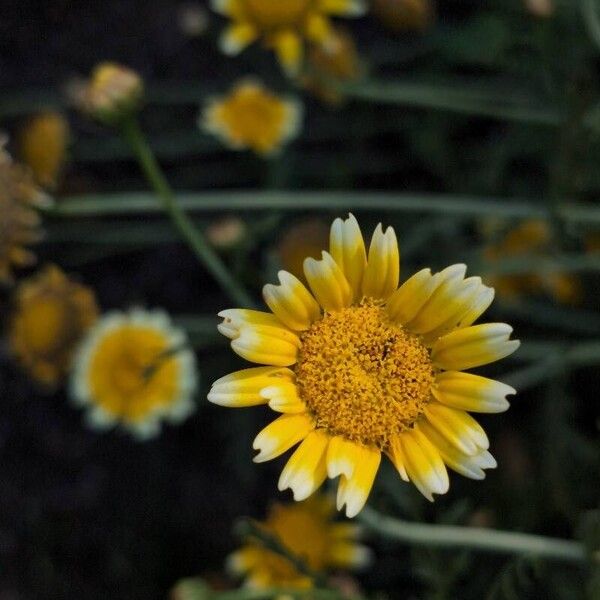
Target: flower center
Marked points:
362	376
272	14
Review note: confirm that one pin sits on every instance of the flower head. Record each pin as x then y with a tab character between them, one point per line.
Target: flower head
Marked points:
282	26
112	93
20	222
50	316
134	369
337	62
43	143
531	238
252	117
308	531
360	367
400	15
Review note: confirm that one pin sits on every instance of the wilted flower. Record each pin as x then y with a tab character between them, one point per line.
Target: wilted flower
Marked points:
282	26
308	531
361	367
20	224
112	93
252	117
43	143
532	238
134	369
401	15
51	314
336	63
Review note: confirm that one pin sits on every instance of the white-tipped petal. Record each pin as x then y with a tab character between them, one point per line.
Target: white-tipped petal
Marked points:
382	274
347	248
280	435
407	300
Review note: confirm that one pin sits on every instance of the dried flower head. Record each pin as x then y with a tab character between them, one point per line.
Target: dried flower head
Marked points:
282	26
51	314
112	93
402	15
532	238
333	64
43	143
252	117
360	367
307	530
20	223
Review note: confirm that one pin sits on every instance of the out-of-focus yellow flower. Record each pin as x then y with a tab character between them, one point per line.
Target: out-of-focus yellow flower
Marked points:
540	8
112	93
252	117
360	367
50	316
301	240
306	529
282	25
532	238
332	64
402	15
134	369
20	223
43	143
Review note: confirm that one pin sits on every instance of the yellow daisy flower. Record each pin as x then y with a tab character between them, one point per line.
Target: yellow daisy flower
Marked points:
308	531
282	25
51	314
359	367
531	238
252	117
134	369
43	143
20	222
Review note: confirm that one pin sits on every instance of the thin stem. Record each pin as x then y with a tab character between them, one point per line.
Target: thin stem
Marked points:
233	200
201	248
246	528
473	538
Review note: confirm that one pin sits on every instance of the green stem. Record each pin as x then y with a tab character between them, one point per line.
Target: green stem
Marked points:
234	200
473	538
132	133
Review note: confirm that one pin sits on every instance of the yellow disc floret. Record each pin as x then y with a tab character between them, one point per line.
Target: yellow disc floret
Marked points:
363	377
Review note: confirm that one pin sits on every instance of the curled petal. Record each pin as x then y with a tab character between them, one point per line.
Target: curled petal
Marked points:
347	248
328	283
353	491
407	300
280	435
267	345
383	265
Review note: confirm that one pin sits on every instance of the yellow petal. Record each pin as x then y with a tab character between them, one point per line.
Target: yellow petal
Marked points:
383	265
353	491
344	8
236	37
349	555
469	466
291	302
288	47
397	457
471	392
280	435
473	346
406	302
347	248
424	464
283	397
341	456
267	345
328	283
235	318
242	388
318	28
306	469
479	305
458	427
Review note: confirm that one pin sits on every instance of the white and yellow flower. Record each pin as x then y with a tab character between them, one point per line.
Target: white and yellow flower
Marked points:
358	366
308	531
282	26
134	369
251	117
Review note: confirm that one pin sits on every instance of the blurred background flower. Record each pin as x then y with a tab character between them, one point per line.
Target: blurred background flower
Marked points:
403	15
50	316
